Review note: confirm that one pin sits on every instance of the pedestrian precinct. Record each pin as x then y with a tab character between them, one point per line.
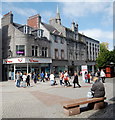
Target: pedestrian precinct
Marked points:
28	80
76	80
24	79
42	77
102	75
18	79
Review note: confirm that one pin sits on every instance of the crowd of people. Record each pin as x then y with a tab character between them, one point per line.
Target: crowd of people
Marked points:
23	80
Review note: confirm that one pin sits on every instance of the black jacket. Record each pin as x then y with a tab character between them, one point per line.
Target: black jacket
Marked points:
75	79
28	79
98	89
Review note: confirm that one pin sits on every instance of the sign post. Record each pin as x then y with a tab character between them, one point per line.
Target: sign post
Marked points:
84	69
14	71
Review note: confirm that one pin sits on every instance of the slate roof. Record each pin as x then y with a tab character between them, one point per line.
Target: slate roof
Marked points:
51	29
17	25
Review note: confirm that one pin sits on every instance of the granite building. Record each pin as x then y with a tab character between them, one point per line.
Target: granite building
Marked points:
39	46
24	48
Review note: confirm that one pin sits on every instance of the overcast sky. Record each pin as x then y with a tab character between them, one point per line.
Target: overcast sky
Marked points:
95	19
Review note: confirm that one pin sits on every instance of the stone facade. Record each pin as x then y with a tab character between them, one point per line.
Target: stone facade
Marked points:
65	47
15	36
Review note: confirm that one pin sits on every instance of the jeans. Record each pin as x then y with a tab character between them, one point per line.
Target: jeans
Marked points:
61	82
18	83
52	82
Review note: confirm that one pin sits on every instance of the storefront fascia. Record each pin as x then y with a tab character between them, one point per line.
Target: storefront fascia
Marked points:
28	61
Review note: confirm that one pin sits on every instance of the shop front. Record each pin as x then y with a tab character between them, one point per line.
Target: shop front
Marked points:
27	65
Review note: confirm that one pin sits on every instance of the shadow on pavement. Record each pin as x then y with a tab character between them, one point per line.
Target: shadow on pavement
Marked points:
107	113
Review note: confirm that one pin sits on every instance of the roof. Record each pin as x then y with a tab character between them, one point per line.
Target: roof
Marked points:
89	37
51	29
17	25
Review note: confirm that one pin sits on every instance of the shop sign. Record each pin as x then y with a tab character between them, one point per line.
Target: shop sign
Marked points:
32	60
27	60
14	60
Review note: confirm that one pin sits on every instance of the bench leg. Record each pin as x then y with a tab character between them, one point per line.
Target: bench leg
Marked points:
99	105
90	106
72	111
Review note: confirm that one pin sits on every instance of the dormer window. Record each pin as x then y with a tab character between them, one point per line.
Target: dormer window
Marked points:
39	33
25	29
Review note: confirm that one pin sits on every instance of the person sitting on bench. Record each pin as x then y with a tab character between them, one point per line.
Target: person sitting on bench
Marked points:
98	89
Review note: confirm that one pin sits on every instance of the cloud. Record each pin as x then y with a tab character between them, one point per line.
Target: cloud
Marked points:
84	9
79	9
46	15
101	35
21	11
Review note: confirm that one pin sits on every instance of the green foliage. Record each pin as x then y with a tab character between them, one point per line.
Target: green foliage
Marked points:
105	56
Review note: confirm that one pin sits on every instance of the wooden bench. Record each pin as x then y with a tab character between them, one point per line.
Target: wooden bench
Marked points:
72	107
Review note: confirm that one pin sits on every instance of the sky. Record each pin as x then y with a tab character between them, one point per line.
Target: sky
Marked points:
95	19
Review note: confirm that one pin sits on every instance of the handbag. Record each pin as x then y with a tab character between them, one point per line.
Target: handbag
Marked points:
90	94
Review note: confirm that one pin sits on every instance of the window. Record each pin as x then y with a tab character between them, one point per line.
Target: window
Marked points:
26	29
20	50
39	33
55	39
34	50
56	54
62	40
44	52
76	56
62	54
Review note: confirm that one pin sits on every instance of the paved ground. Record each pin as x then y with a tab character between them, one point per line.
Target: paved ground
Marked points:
45	101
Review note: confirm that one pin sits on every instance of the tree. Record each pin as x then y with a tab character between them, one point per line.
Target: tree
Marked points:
105	56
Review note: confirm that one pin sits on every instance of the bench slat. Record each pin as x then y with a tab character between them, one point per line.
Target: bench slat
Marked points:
81	101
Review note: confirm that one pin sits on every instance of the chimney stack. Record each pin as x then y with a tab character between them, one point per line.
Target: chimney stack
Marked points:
34	21
7	19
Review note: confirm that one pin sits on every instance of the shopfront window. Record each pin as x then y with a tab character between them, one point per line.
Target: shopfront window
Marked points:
20	50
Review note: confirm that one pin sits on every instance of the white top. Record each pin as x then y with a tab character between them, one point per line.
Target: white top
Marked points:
65	75
102	74
24	77
51	77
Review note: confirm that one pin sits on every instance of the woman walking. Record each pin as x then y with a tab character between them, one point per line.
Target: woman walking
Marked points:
28	80
76	80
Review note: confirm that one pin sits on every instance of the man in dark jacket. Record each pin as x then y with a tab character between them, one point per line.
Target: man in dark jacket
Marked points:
76	80
98	88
